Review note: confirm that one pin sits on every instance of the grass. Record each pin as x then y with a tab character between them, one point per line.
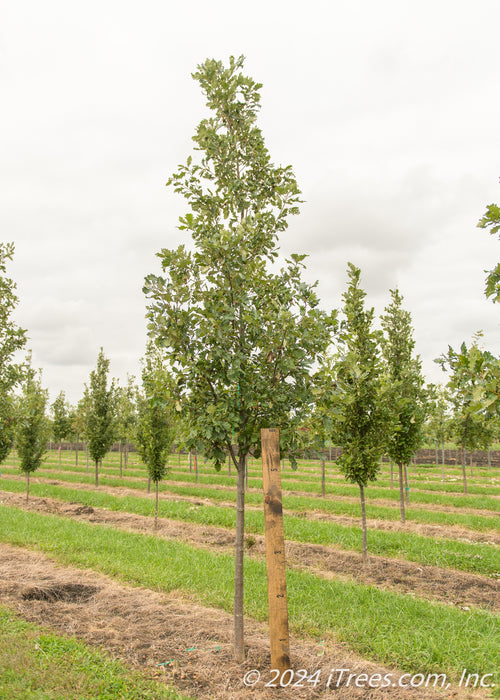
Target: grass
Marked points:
477	557
413	634
36	664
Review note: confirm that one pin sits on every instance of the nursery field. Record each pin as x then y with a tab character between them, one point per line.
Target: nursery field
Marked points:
89	588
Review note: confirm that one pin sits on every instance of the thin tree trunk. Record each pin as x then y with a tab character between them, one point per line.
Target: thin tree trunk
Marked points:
442	462
156	505
27	487
59	456
96	473
401	494
322	477
196	466
407	485
190	462
363	522
239	648
121	458
437	456
464	475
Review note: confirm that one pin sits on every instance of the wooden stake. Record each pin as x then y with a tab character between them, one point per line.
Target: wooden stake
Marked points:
275	550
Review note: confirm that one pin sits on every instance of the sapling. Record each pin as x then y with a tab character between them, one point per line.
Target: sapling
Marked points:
33	429
240	336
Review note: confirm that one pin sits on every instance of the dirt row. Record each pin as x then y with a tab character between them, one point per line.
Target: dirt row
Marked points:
173	639
452	587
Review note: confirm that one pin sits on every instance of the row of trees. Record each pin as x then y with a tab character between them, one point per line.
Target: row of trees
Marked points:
245	341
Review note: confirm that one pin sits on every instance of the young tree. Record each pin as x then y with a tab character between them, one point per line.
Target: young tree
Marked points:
240	337
438	419
100	412
61	426
12	339
356	393
470	374
126	416
32	430
157	418
407	398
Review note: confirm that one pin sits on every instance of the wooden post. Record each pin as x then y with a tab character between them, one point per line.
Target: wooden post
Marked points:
275	550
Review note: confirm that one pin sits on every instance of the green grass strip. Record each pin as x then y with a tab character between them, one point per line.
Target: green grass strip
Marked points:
413	634
371	492
36	664
477	558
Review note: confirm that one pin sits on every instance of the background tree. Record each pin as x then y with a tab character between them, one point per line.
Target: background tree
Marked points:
12	339
100	412
406	395
470	372
358	406
438	419
240	336
61	426
156	419
32	430
126	416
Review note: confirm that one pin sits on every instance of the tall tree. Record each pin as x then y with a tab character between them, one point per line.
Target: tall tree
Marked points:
407	397
32	430
240	335
12	339
100	412
157	418
61	426
358	408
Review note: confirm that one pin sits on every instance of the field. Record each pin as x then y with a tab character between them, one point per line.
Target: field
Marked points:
143	614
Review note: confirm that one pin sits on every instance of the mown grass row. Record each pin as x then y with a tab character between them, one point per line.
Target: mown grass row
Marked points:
38	664
372	492
303	504
476	558
415	635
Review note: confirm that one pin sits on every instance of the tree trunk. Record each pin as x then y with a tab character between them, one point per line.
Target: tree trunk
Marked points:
239	648
442	462
196	466
27	486
59	457
464	475
96	473
363	523
322	477
121	458
407	485
401	494
156	504
190	462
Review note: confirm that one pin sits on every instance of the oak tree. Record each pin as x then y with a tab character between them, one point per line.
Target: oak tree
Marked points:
240	333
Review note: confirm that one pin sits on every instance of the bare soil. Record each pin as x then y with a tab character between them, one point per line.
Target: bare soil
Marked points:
449	586
174	639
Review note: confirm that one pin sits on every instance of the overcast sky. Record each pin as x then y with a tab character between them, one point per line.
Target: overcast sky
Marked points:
388	112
